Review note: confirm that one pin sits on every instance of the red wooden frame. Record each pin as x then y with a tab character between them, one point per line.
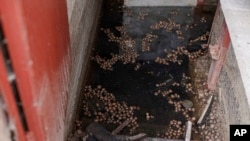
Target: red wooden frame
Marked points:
8	96
38	44
220	36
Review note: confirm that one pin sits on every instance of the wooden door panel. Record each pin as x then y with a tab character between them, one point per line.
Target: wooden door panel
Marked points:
38	44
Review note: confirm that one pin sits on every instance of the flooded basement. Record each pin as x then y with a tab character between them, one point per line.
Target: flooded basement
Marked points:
142	71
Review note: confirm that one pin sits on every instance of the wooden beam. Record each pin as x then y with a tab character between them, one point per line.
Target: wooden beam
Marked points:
209	101
188	131
120	127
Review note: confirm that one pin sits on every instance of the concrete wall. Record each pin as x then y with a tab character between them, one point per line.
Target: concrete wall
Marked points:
4	129
235	75
233	92
237	17
83	17
233	97
234	79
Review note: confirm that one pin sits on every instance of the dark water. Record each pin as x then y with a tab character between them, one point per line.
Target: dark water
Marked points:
137	87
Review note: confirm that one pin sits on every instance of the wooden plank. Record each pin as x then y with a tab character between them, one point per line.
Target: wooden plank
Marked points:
209	101
8	97
100	133
137	137
188	131
120	127
219	37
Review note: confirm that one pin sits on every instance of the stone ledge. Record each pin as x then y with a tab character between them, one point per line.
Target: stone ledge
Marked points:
237	17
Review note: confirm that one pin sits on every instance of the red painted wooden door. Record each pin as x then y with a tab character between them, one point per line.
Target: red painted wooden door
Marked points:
37	41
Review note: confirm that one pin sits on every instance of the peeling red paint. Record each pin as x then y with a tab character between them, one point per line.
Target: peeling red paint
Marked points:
221	38
8	96
38	43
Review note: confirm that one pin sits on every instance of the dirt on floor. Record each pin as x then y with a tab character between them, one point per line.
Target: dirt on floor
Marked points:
213	126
